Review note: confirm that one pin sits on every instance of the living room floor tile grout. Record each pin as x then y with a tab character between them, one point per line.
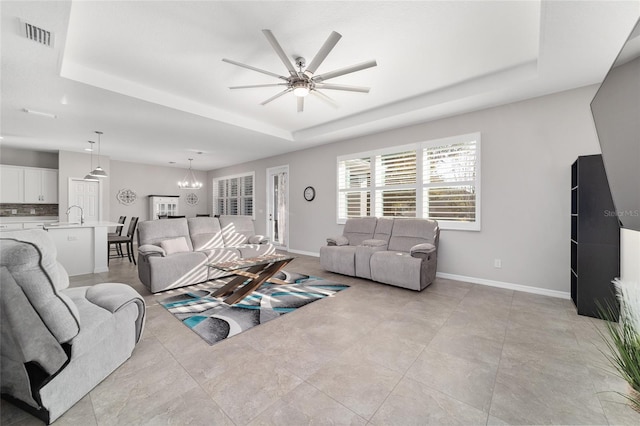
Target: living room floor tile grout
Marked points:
541	329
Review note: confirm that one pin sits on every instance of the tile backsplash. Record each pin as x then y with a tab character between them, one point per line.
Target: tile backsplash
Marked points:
6	210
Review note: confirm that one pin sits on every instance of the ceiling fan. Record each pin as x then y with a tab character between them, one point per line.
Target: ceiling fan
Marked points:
304	80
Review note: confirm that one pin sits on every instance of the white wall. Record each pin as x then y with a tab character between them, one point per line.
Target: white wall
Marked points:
527	151
28	158
147	180
142	179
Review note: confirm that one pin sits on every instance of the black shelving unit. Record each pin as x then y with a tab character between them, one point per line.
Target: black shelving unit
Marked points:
595	238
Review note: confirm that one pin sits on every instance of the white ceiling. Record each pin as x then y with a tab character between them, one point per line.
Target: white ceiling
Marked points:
150	74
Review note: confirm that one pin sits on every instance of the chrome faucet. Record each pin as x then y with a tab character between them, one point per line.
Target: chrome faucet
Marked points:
81	213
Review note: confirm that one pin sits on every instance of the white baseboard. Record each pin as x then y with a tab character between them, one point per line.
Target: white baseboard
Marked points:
509	286
306	253
481	281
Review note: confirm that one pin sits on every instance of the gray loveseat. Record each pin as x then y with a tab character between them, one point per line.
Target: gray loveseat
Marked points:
399	251
174	253
57	342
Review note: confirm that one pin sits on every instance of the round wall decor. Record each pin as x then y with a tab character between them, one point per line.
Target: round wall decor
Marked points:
126	196
309	193
192	199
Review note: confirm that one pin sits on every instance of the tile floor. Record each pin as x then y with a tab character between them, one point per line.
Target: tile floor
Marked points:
456	353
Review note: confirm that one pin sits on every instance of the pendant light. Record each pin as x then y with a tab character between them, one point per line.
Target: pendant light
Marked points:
98	171
89	176
189	181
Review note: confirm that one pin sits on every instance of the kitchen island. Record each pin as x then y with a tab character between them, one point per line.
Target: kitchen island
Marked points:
82	248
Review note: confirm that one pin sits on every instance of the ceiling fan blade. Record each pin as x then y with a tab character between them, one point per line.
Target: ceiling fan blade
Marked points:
343	87
283	56
300	103
252	86
328	45
325	98
343	71
249	67
276	96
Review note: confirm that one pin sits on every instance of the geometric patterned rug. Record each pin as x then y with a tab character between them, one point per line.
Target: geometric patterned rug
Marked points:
214	320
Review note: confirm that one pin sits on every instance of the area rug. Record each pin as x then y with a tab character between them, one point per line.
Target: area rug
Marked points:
215	321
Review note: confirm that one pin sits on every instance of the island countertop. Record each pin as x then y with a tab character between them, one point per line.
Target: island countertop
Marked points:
69	225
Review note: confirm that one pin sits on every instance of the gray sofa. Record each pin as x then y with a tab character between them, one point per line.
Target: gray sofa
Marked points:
174	253
399	251
57	343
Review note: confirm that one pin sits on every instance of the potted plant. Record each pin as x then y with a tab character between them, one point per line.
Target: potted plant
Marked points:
623	338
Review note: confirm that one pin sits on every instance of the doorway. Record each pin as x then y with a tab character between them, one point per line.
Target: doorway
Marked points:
278	206
86	194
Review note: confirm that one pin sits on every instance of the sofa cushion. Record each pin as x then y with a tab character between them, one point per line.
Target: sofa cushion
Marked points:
359	229
236	230
174	245
384	226
205	233
178	270
407	233
155	231
396	268
30	257
340	259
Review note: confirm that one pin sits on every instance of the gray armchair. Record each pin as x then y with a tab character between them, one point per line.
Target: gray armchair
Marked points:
57	343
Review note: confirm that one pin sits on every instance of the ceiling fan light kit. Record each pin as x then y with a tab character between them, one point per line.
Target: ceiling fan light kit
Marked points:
304	80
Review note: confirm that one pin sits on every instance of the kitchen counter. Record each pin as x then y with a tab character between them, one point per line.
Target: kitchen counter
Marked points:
67	225
82	249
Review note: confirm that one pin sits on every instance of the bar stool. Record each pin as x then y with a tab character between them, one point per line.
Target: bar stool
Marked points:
128	240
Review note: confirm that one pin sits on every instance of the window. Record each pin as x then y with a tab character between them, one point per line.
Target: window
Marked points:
437	179
233	195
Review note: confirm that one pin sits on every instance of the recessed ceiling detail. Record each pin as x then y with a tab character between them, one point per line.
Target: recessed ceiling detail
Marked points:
152	71
37	34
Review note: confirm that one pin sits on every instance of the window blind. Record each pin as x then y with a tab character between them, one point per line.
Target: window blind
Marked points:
234	195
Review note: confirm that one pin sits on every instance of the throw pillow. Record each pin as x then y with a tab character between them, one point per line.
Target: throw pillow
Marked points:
175	245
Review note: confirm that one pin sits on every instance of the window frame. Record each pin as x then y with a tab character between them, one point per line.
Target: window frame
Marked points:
420	184
214	185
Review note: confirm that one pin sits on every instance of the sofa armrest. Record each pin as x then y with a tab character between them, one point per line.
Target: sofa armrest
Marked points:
258	239
151	250
340	240
425	248
375	243
115	296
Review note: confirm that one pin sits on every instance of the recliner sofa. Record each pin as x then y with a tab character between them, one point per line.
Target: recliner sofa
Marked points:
398	251
57	343
174	253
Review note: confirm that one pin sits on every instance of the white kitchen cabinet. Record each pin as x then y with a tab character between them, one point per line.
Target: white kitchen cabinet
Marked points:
40	186
11	184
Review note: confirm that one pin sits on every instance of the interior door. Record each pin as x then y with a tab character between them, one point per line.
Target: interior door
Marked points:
278	206
85	194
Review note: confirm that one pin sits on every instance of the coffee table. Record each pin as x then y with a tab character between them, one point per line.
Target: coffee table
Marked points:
252	272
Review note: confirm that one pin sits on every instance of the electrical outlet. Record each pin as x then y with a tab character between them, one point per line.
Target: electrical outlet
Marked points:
33	211
497	263
14	211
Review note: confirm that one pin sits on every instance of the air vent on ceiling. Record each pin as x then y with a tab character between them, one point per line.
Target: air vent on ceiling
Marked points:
38	34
